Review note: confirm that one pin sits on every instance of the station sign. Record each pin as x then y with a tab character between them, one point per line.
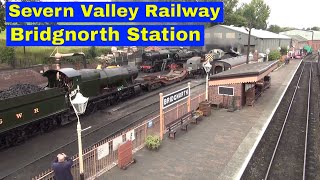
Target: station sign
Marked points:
175	97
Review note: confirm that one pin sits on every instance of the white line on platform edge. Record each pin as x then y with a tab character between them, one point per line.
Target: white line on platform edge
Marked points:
244	165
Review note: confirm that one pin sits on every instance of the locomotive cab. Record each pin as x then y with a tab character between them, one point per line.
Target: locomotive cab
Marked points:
66	78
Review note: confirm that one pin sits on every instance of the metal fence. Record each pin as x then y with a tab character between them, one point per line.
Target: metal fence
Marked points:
94	165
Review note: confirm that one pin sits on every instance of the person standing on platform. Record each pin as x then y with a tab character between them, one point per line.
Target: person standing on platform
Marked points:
62	167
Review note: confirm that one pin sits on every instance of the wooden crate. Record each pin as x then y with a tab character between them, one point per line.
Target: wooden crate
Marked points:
205	108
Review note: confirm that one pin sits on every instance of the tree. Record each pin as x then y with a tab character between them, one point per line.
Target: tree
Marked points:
2	17
7	55
92	53
275	28
288	28
233	14
256	14
315	28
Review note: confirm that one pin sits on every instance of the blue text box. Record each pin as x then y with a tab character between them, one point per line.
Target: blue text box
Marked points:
206	12
154	35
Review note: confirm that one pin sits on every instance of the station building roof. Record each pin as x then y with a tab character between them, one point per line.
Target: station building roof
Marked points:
298	38
259	33
247	73
234	61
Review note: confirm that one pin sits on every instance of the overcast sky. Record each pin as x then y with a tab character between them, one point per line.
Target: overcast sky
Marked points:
292	13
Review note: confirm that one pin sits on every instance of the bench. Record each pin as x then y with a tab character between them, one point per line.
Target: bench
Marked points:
181	122
195	118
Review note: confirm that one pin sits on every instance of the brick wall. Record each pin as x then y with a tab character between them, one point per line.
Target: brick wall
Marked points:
250	96
315	44
226	101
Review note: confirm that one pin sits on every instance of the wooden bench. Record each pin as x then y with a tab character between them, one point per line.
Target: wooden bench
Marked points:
195	118
181	122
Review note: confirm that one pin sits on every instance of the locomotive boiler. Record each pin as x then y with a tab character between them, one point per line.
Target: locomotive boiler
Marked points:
157	60
153	61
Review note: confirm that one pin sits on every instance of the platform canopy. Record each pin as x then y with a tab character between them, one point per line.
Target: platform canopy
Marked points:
307	48
247	73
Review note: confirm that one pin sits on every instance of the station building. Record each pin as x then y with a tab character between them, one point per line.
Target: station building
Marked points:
226	37
240	86
313	37
298	42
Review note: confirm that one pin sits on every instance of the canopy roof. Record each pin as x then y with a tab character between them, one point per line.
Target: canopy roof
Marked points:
307	48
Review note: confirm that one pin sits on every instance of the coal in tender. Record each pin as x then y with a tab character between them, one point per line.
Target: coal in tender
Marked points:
19	90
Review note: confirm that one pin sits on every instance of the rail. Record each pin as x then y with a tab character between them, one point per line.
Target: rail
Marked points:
285	123
307	126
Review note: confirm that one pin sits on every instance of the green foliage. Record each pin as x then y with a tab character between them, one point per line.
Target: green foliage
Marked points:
315	28
275	28
2	17
284	50
7	55
92	53
256	13
274	55
153	142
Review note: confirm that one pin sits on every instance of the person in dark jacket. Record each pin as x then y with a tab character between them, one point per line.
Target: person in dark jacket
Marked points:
62	167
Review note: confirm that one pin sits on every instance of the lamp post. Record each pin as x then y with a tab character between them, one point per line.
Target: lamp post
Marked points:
207	67
267	52
79	104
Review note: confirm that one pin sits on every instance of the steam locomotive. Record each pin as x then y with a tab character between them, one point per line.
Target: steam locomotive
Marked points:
29	114
154	61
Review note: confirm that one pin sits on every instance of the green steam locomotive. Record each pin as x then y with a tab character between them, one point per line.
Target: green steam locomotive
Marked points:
33	113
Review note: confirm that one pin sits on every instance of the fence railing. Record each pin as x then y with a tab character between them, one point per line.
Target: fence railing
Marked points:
95	166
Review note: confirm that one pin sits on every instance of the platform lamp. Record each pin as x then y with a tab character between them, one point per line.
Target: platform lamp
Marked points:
207	67
267	53
79	104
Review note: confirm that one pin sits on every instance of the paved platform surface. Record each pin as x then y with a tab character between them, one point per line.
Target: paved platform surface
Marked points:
216	148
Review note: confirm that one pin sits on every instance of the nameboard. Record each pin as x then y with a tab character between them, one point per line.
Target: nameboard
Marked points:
175	97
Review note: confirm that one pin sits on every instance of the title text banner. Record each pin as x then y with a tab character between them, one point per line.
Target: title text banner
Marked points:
99	35
114	12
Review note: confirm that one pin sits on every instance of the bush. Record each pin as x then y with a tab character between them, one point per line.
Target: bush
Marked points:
92	53
153	142
7	55
274	55
283	50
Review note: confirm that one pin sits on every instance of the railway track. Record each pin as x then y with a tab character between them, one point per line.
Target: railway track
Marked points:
289	155
119	119
286	150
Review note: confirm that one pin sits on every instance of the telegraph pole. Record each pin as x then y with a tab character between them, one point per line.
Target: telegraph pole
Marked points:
248	49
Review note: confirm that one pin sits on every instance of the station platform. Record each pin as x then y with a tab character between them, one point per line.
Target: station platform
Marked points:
219	147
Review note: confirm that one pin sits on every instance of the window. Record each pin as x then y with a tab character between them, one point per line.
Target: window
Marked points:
217	35
230	35
227	91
